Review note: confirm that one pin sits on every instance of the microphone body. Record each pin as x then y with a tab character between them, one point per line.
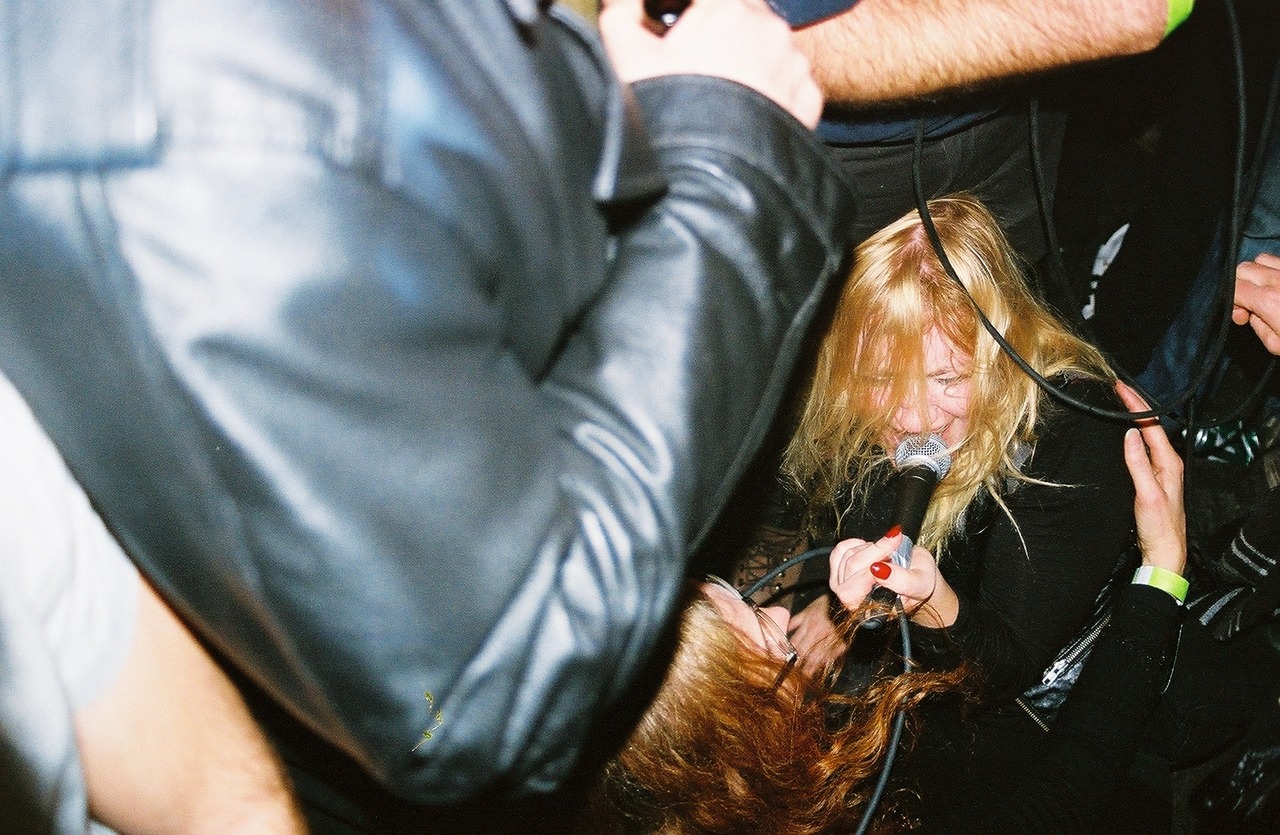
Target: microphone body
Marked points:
922	464
915	489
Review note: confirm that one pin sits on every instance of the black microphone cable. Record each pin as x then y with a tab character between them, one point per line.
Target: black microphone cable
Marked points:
1205	367
926	220
899	720
1205	364
1249	191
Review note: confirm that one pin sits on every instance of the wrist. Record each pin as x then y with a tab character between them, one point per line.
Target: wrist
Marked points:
1168	581
940	610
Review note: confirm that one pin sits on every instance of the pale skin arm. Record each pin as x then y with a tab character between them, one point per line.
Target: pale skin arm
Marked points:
886	51
739	40
171	748
1257	299
1156	470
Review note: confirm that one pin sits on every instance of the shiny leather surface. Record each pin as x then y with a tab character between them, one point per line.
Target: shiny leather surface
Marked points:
394	352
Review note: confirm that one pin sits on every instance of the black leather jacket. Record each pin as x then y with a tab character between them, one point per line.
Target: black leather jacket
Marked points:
394	351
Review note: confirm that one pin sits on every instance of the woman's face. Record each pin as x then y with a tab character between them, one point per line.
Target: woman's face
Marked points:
739	614
949	386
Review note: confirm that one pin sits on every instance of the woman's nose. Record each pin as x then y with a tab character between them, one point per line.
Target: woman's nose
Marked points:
912	422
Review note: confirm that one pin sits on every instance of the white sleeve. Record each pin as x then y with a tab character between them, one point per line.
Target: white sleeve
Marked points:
59	559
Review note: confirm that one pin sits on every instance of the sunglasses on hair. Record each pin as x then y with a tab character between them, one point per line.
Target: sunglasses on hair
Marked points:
775	638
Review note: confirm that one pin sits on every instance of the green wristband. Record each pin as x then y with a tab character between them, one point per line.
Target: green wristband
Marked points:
1179	10
1174	584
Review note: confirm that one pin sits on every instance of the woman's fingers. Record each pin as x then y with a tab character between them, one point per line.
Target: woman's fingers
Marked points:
850	556
1153	452
1156	471
851	560
1133	401
1157	504
915	582
857	567
924	591
1140	468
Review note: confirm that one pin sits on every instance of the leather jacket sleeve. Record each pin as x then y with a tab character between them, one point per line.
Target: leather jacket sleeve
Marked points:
408	367
1092	745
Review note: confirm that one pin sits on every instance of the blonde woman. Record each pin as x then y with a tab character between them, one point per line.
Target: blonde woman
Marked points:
737	740
1034	519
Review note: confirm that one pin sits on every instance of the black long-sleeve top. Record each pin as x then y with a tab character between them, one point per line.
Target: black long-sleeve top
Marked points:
1027	589
1063	785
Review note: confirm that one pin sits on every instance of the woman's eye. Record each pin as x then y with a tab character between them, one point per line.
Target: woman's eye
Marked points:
949	384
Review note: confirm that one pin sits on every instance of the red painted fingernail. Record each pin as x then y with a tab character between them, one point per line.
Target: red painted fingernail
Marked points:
881	570
894	531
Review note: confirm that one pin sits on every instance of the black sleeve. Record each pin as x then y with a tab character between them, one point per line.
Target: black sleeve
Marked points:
1097	732
1249	562
1039	579
773	534
803	12
391	392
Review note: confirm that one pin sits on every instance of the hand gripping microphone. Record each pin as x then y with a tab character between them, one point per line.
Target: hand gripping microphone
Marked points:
922	463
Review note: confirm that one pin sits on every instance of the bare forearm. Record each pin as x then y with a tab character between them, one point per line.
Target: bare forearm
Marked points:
884	51
171	748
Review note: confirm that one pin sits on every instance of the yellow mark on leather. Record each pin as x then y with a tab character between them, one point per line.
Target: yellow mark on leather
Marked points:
439	719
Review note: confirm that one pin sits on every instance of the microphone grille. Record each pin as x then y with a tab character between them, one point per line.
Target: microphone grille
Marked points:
923	451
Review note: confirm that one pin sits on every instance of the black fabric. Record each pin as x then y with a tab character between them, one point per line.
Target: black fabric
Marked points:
990	159
1064	781
1249	590
404	419
1151	698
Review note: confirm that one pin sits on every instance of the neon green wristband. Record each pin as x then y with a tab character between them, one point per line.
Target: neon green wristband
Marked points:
1174	584
1179	10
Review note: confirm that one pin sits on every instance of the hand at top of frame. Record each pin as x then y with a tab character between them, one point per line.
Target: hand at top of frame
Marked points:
739	40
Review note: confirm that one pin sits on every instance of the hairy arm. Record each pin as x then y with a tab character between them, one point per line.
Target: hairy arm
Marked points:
885	51
171	747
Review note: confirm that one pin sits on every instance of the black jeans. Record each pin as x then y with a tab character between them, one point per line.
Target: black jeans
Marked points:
990	159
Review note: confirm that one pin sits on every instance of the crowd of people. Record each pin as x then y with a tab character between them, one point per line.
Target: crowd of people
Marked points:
372	373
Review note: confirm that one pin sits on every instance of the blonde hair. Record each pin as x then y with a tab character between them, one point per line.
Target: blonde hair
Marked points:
872	358
722	750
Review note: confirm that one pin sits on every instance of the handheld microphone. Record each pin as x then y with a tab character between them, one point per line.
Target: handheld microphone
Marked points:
922	463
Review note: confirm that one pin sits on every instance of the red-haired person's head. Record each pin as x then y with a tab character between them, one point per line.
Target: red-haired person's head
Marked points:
728	746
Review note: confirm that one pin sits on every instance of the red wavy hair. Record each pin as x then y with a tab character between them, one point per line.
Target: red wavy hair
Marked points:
721	750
